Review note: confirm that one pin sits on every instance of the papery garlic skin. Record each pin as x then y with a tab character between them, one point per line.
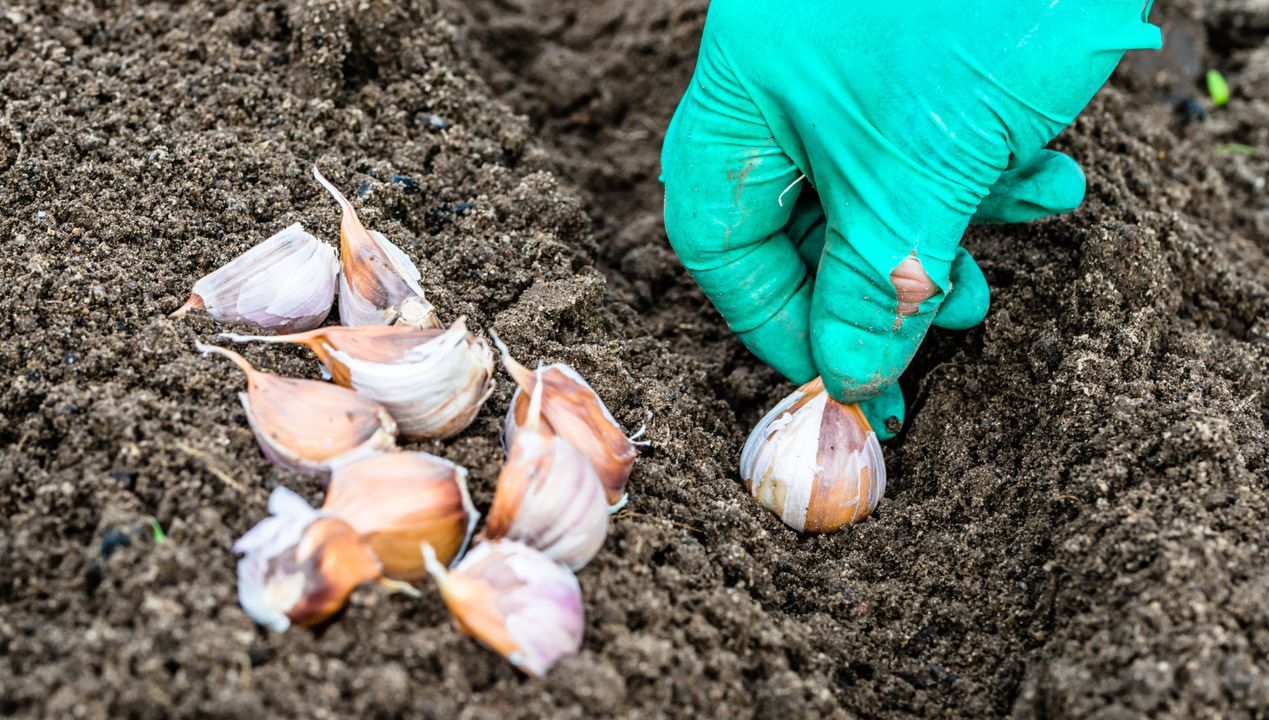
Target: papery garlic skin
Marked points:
433	382
286	283
399	501
516	601
575	412
814	462
549	496
435	389
307	426
376	277
298	566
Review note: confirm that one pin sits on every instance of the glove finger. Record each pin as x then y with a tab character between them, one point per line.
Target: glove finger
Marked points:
723	175
969	297
862	336
1050	183
885	412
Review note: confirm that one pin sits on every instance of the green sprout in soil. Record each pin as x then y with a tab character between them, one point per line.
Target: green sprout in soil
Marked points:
156	531
1238	148
1217	88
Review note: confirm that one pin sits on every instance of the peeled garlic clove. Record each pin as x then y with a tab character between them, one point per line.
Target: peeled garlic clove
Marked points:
285	283
433	382
516	601
377	276
814	462
299	567
549	495
308	426
576	413
399	501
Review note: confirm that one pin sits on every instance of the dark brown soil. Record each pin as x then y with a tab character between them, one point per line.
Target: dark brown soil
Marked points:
1078	518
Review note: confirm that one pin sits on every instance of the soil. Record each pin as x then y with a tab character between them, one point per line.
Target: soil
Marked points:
1077	522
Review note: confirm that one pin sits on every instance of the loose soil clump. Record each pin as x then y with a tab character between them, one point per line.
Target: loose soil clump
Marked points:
1078	514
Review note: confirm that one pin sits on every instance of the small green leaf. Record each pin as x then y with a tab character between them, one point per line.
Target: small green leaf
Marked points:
1238	148
157	531
1217	88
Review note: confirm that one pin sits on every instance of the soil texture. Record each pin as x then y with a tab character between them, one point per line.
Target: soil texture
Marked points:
1077	522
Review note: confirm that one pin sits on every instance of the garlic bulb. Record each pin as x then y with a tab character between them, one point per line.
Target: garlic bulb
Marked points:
308	426
377	276
398	501
814	462
433	382
516	601
299	567
576	413
285	283
549	495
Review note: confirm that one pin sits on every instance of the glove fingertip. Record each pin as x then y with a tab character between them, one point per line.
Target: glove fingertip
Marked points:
885	412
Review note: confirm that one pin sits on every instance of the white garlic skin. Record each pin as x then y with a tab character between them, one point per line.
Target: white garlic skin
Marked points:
550	498
286	283
814	462
434	390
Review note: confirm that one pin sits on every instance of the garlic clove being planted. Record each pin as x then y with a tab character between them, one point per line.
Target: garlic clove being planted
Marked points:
309	426
516	601
549	495
814	462
298	566
433	382
286	283
576	413
399	501
377	276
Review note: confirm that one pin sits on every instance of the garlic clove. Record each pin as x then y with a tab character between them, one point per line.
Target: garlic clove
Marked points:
299	567
549	495
307	426
377	276
576	413
399	501
286	283
814	462
433	382
516	601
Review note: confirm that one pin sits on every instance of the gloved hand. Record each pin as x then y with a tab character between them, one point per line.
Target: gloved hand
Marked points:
910	119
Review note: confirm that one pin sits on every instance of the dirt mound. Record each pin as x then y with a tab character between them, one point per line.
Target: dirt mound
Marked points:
1077	517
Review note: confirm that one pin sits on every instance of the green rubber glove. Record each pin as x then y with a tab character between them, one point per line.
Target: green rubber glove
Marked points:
909	120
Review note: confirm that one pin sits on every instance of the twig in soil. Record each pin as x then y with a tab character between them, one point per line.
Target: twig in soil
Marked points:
1246	403
210	466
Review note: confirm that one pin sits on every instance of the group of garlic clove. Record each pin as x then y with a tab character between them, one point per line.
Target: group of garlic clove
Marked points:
288	282
390	516
432	381
515	591
300	565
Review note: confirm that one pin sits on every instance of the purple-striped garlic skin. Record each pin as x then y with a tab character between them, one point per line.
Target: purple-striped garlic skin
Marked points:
549	495
814	462
285	284
515	600
574	411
